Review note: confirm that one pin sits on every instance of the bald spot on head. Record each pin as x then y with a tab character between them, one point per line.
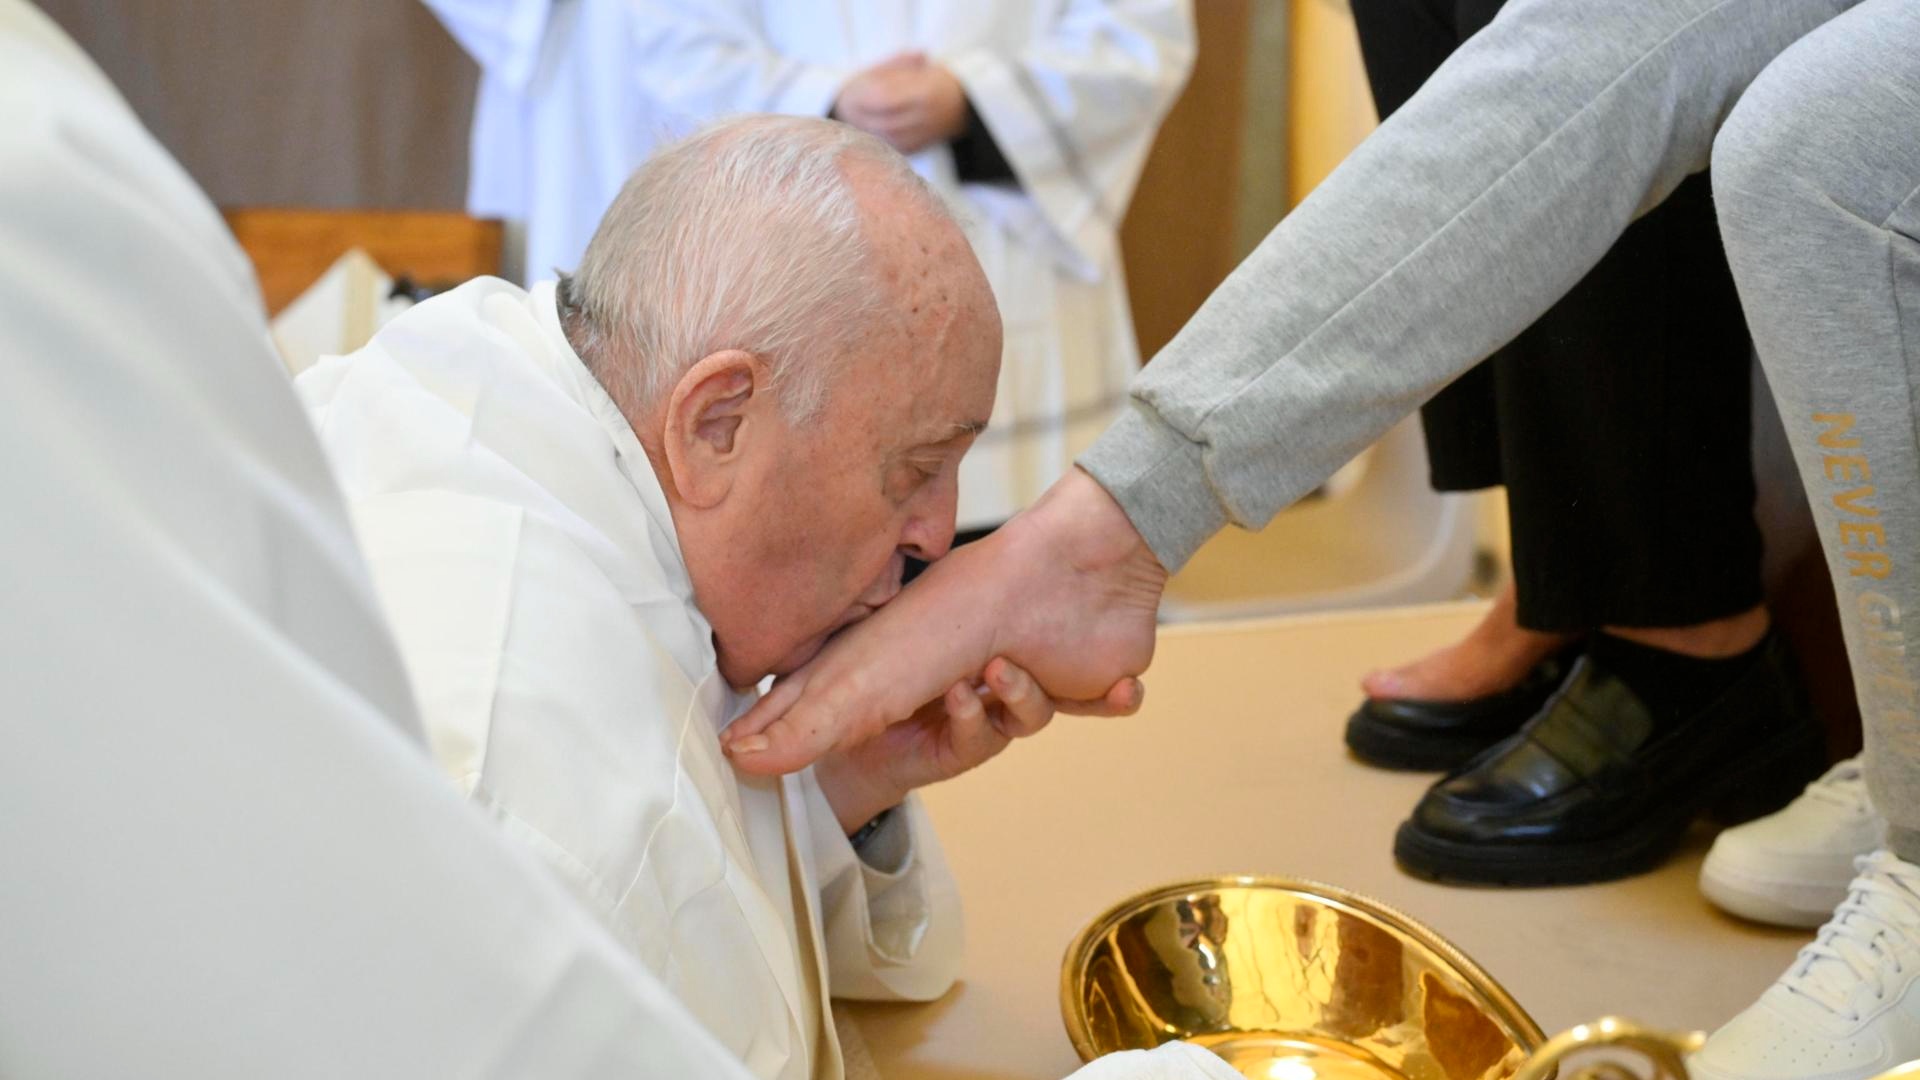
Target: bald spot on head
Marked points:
942	314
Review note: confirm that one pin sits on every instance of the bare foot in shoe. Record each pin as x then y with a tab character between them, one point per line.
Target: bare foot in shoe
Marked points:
1494	656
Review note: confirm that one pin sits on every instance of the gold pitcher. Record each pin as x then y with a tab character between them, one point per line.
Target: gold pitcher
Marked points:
1295	980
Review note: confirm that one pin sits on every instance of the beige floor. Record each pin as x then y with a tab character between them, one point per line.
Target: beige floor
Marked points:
1236	766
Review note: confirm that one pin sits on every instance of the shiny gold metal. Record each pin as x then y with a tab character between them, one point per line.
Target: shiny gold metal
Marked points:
1295	980
1289	980
1665	1052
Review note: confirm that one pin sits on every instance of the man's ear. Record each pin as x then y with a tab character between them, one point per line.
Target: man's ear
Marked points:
716	409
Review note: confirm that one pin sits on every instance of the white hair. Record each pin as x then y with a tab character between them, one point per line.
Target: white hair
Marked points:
745	235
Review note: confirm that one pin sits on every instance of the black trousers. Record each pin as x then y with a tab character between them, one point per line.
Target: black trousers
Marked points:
1620	422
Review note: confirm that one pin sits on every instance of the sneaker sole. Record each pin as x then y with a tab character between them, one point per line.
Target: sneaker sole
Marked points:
1763	901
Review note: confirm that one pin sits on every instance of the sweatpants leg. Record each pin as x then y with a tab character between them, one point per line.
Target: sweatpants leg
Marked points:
1624	406
1817	176
1444	234
1402	43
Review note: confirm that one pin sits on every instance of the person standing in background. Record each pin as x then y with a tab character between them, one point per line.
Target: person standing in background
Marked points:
559	122
1624	408
1033	120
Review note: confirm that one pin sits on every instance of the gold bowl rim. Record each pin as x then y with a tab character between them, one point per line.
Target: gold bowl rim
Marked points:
1392	917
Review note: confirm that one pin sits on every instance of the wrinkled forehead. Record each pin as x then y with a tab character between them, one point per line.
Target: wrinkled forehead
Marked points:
931	360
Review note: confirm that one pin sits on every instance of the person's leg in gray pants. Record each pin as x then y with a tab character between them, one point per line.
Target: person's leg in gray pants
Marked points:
1817	177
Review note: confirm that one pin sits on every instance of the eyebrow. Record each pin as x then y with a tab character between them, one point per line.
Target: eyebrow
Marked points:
942	436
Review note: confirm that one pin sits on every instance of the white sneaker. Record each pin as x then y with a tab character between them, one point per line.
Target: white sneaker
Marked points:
1849	1007
1791	867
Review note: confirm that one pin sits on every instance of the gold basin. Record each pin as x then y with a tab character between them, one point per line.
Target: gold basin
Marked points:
1294	980
1289	980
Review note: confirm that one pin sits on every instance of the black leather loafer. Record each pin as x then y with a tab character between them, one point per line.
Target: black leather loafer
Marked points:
1440	736
1589	791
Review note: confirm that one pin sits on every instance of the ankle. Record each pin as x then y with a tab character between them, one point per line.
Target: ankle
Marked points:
1674	686
1716	639
1085	528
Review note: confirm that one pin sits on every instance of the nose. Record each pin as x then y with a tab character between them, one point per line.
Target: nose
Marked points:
928	533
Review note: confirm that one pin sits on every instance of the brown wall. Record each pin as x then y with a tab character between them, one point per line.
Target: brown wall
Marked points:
1178	239
292	102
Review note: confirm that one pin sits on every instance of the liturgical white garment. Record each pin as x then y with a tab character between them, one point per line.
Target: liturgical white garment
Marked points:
524	552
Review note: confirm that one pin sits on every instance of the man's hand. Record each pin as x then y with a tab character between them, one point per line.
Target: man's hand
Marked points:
1066	590
908	100
943	739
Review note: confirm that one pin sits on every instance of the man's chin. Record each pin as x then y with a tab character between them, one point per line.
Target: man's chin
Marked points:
798	658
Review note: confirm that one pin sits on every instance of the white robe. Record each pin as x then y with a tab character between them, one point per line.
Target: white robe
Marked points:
574	95
524	552
559	122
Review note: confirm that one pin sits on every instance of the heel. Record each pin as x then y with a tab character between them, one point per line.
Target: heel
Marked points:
1769	787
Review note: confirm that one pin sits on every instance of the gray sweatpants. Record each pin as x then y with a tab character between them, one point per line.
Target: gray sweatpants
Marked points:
1817	178
1495	189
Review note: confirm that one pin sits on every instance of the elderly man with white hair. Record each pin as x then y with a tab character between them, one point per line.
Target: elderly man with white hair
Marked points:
598	513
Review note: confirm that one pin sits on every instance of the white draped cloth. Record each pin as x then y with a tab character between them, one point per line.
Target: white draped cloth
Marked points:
559	120
525	554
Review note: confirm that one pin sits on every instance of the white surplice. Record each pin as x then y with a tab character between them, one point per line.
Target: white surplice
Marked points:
524	552
575	93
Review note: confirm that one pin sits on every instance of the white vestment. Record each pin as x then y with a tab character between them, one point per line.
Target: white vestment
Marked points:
524	552
559	121
575	93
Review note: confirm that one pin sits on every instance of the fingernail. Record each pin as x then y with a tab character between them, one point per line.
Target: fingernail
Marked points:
749	744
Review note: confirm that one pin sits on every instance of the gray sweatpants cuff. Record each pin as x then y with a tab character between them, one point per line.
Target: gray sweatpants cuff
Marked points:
1159	477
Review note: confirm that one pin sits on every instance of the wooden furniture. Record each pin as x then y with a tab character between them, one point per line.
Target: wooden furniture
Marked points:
290	248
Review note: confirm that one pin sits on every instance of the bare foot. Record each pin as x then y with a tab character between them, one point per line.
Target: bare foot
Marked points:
1494	656
1067	590
1713	640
